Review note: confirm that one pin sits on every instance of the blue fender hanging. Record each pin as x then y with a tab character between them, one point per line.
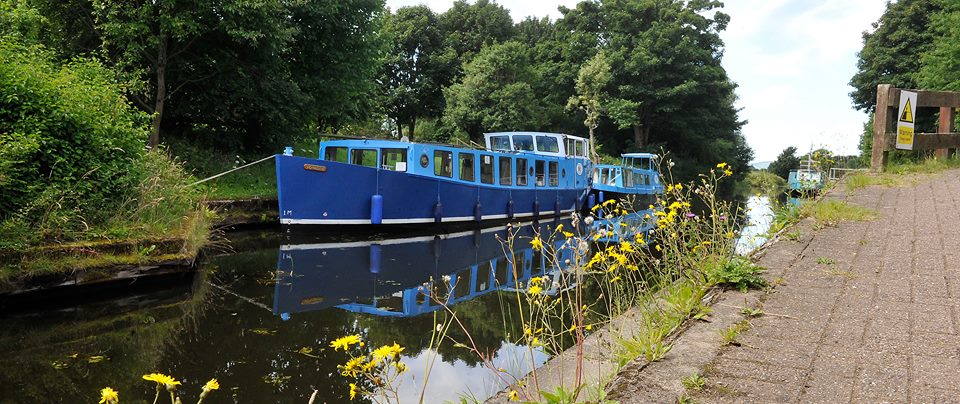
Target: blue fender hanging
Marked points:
438	212
376	209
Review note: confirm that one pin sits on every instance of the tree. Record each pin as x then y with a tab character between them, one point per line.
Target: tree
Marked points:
665	56
496	93
942	62
466	29
142	38
891	54
411	77
786	161
593	77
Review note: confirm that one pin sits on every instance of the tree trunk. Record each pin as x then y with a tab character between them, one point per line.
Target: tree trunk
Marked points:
161	91
399	129
641	135
593	148
413	125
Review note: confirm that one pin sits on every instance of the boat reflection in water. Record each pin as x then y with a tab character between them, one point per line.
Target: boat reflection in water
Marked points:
400	274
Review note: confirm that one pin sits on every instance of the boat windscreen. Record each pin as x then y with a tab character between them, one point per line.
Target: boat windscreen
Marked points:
523	142
548	144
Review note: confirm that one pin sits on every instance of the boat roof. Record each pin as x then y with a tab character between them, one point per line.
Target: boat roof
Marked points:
532	133
647	155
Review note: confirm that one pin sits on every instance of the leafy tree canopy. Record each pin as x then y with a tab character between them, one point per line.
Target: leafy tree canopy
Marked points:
891	52
786	161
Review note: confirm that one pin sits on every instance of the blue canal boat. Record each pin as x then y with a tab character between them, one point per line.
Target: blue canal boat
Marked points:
804	181
402	277
636	181
384	182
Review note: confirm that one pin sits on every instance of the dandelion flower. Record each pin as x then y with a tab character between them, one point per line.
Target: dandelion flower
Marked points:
722	165
162	380
211	385
536	243
535	290
345	342
513	395
109	396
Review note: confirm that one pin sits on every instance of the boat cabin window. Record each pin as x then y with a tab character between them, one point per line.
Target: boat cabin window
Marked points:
394	159
506	171
486	169
522	172
467	167
548	144
581	148
523	142
552	173
364	157
443	163
500	143
539	164
614	173
604	175
628	178
570	145
338	154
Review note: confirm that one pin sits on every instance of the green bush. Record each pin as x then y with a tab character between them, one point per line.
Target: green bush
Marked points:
69	141
766	182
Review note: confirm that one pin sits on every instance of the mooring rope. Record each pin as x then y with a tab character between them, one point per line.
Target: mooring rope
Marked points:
232	170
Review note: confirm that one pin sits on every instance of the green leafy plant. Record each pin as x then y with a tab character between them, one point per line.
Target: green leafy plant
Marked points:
695	381
730	334
738	272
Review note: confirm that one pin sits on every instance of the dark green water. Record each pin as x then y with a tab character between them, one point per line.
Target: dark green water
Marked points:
259	316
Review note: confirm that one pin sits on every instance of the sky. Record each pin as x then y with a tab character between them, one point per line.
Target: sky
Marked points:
792	60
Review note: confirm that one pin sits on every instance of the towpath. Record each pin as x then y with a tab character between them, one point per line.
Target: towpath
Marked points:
862	312
865	311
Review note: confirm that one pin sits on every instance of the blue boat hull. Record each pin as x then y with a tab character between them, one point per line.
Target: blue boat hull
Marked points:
321	192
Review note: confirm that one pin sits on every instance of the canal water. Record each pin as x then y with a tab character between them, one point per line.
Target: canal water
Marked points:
260	312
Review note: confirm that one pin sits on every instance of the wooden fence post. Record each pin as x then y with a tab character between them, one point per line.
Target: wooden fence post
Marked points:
878	159
947	116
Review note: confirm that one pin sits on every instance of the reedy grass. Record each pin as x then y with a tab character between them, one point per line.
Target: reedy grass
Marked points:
831	212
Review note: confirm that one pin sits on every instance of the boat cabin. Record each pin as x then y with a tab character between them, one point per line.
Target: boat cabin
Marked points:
549	144
637	170
540	163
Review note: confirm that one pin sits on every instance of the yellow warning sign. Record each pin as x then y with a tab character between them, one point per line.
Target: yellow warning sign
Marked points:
907	114
905	125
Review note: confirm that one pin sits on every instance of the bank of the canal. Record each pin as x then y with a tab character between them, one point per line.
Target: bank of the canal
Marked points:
860	311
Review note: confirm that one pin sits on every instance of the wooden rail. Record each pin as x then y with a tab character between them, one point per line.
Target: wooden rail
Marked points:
885	123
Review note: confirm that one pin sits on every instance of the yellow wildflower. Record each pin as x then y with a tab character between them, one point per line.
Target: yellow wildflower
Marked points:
353	391
350	368
615	278
658	247
345	342
109	396
722	165
609	202
595	207
388	351
567	234
679	187
513	395
589	327
401	367
729	234
536	243
669	187
727	172
559	227
535	290
161	379
211	385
